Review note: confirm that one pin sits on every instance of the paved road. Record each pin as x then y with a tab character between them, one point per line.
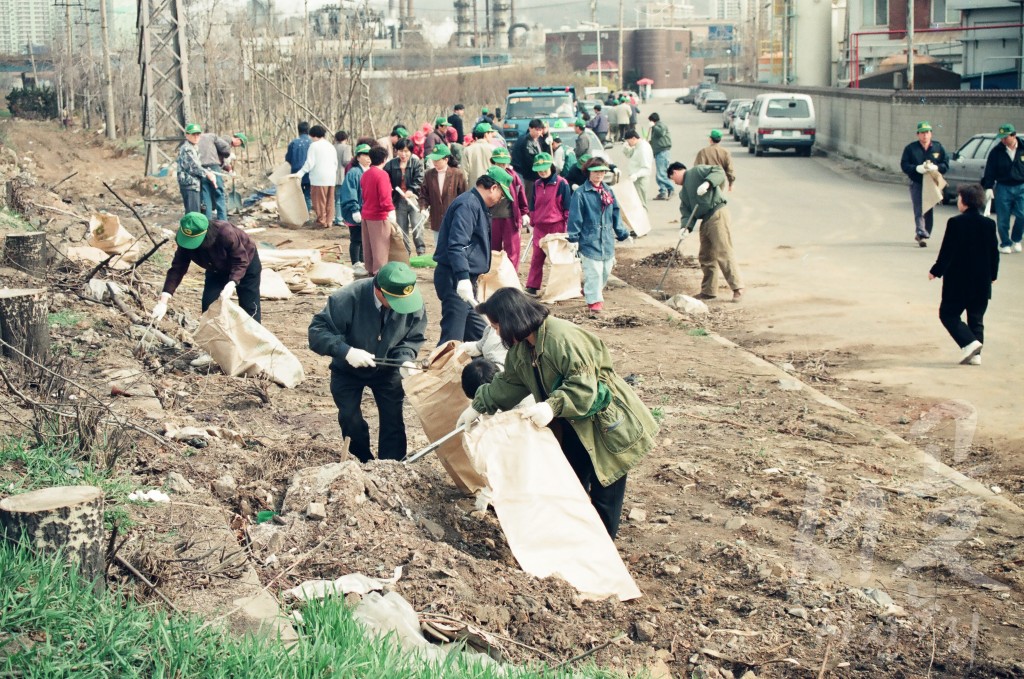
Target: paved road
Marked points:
830	263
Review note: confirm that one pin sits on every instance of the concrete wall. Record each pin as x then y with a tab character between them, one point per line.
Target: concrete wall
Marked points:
875	126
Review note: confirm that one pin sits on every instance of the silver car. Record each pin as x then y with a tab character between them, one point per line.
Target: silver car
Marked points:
967	164
738	125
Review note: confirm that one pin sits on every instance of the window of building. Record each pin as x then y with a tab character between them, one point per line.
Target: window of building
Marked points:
876	12
679	46
943	14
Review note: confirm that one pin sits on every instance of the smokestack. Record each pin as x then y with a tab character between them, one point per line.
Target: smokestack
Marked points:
500	12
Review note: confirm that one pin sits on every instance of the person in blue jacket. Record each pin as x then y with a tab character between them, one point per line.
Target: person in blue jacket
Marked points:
352	202
594	226
464	252
295	156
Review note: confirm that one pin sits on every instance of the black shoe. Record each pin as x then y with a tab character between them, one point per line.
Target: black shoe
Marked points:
532	292
661	196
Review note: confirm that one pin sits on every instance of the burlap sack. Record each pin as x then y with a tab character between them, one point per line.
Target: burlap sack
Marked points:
932	185
436	396
107	234
273	285
501	275
548	519
291	203
631	209
286	258
396	249
241	346
565	275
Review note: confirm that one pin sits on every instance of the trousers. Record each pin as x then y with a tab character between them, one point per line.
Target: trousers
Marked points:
537	257
355	243
337	205
212	195
407	221
661	163
247	289
1009	203
386	386
459	321
505	236
716	253
376	244
323	205
641	190
595	277
190	198
950	312
607	500
922	220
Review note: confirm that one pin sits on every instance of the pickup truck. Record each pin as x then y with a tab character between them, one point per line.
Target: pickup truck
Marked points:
555	105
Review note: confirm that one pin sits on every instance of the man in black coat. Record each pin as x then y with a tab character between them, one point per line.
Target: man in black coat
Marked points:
968	263
919	159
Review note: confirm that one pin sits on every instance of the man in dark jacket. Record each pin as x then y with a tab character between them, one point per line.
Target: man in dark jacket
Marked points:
661	144
525	150
226	252
599	123
920	160
295	156
968	264
455	120
1004	186
464	252
363	322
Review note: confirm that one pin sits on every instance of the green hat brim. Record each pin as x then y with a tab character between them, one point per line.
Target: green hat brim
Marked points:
408	304
190	242
598	168
244	139
438	155
542	166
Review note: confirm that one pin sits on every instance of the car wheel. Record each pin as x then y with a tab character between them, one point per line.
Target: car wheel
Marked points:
750	147
743	142
758	151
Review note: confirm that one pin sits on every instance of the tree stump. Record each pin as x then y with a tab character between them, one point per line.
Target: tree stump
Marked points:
67	520
23	323
26	252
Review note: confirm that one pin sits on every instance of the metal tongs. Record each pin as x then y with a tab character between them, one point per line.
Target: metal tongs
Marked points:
435	445
421	364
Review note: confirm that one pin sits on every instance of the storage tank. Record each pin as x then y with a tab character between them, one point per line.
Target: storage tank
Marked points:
812	42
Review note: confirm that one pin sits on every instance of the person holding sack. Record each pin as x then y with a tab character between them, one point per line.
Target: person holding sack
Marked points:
603	427
550	214
229	256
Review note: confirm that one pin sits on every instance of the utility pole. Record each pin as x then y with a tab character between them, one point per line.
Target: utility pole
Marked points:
87	85
68	46
622	68
910	45
108	84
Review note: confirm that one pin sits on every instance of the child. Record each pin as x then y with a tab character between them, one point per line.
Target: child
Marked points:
479	372
549	214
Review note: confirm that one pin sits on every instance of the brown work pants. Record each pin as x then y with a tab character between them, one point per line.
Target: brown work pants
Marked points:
376	243
323	204
716	253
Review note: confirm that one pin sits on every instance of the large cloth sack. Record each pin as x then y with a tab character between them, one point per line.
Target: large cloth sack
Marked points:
291	203
932	184
631	209
107	234
285	258
397	251
331	273
241	346
436	396
501	275
273	285
550	524
565	277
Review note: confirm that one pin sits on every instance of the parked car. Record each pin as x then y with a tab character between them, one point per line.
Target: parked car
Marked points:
700	97
700	91
782	121
739	123
714	101
687	96
967	164
730	111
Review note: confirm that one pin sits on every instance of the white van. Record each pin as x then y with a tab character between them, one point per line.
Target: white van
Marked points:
782	121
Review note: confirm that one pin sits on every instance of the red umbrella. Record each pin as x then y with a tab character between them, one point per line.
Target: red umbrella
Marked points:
644	81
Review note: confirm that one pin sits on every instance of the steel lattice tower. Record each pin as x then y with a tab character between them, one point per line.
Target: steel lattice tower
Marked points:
163	56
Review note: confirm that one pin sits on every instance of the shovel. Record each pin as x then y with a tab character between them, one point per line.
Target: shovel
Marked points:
657	292
234	199
435	445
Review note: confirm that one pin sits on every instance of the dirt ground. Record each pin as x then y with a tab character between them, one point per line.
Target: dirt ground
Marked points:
772	531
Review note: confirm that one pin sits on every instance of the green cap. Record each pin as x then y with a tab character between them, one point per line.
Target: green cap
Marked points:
483	128
440	120
401	133
192	230
193	128
361	149
556	139
598	168
485	110
924	126
244	139
580	122
1006	129
581	161
559	124
542	161
440	151
717	136
500	156
397	282
503	178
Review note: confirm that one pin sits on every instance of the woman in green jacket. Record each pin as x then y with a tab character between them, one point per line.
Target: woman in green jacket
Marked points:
603	427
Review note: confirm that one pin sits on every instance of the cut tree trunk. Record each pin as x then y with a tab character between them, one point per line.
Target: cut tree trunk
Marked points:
66	520
26	252
23	326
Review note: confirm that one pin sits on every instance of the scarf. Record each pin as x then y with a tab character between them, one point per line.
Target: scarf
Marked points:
606	196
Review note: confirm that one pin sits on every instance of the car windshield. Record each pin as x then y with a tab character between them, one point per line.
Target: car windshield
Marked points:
788	108
716	95
547	106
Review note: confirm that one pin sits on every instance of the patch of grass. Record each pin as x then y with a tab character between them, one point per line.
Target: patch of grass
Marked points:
13	221
658	414
64	318
698	332
54	625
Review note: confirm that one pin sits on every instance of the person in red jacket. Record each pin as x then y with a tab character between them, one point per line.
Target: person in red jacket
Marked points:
509	216
549	214
377	213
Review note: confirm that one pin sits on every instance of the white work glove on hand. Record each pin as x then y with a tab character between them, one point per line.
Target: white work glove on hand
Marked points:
468	417
628	240
922	168
161	307
469	349
357	217
392	217
526	221
465	290
990	194
409	369
229	289
540	414
358	358
703	188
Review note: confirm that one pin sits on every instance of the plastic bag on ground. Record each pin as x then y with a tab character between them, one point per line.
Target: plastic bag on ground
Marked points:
501	275
346	584
272	285
688	305
565	275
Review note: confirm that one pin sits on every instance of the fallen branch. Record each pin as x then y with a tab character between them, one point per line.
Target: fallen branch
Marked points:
134	212
134	571
824	661
589	653
54	187
99	267
115	296
60	211
141	260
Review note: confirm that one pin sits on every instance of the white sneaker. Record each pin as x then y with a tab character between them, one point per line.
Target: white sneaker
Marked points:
969	352
359	270
1006	250
975	360
1017	247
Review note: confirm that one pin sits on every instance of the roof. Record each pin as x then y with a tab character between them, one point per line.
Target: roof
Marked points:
605	66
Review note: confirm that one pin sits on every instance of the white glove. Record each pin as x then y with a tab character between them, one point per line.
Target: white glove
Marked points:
412	198
161	307
526	221
929	165
229	289
465	291
627	241
357	217
632	178
409	369
392	217
468	417
358	358
540	414
922	168
990	194
469	349
703	188
574	248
